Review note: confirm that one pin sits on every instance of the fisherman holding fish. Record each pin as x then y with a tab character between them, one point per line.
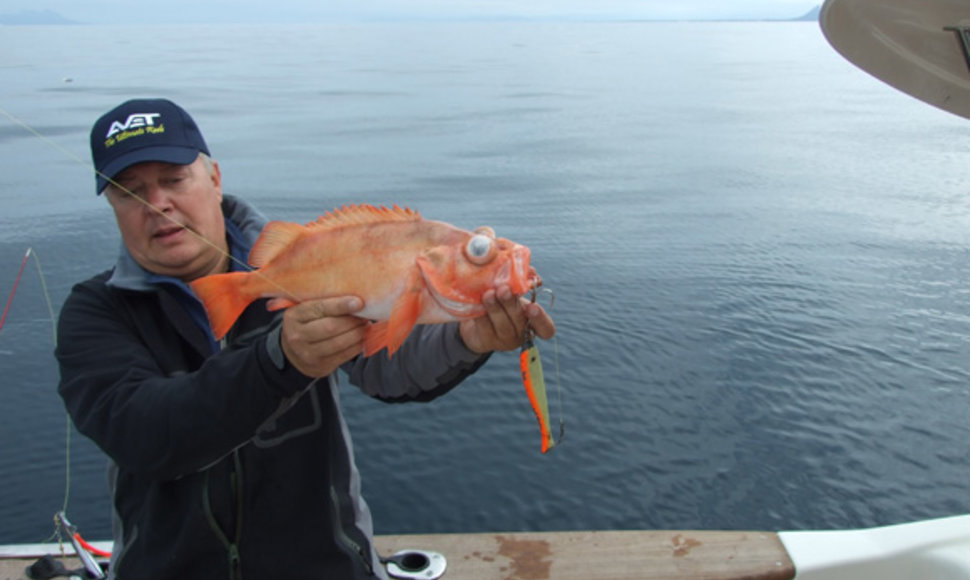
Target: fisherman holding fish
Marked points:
229	456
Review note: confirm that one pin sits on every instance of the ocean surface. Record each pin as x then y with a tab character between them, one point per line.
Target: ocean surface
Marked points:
760	258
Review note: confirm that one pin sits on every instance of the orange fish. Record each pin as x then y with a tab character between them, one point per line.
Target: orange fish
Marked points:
406	269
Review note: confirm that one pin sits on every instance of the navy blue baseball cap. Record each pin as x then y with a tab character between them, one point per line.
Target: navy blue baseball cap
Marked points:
143	130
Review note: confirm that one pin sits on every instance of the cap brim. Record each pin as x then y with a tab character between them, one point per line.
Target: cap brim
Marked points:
163	154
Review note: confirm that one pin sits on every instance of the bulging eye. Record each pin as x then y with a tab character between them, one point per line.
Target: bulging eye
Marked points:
480	249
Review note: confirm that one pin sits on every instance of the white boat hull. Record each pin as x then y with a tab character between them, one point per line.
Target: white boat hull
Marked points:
926	550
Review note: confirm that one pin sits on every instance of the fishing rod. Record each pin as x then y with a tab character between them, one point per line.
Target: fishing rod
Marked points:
13	291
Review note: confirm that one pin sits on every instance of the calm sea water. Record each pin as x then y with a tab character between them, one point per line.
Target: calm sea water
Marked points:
759	256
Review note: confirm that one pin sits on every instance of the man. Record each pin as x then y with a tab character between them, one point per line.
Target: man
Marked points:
231	459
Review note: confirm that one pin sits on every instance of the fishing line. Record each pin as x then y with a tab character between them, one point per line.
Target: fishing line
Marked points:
84	163
530	365
67	417
50	310
47	296
555	364
144	202
43	280
71	155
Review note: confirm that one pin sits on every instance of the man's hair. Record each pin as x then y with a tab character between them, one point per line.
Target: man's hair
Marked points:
207	161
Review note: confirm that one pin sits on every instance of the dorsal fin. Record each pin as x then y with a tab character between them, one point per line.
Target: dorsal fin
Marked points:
351	215
274	238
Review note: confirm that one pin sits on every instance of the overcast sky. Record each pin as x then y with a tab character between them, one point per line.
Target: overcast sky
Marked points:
179	11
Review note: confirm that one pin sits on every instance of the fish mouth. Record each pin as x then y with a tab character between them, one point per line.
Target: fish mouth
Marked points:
456	308
521	276
534	280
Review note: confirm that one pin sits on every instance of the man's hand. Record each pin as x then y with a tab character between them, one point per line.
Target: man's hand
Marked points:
320	335
503	326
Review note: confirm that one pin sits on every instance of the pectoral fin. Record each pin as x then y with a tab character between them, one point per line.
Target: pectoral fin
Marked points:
404	315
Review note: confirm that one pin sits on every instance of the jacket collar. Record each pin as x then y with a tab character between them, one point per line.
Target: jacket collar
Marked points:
243	225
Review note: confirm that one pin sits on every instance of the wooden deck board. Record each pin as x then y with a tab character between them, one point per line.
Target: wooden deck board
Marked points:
598	555
610	555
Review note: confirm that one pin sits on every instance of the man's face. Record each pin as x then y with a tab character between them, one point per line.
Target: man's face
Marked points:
164	209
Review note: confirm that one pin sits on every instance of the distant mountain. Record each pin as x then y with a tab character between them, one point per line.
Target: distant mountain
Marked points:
811	15
30	17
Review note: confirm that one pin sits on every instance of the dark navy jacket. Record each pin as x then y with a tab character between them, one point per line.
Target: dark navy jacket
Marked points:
223	466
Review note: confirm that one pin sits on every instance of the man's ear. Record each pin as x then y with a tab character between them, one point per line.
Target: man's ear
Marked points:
216	178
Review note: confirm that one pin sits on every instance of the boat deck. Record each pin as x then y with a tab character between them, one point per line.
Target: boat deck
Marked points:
598	555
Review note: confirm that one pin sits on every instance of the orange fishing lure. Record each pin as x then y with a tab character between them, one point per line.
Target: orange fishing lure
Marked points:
535	387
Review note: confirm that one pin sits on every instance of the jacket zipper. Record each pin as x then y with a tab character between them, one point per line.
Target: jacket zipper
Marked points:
345	539
232	547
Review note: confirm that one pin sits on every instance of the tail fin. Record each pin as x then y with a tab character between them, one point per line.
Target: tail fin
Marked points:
223	299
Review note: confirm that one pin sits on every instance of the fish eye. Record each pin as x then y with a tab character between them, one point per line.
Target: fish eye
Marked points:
480	249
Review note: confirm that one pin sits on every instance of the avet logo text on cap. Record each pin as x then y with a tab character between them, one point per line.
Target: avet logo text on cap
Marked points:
135	124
